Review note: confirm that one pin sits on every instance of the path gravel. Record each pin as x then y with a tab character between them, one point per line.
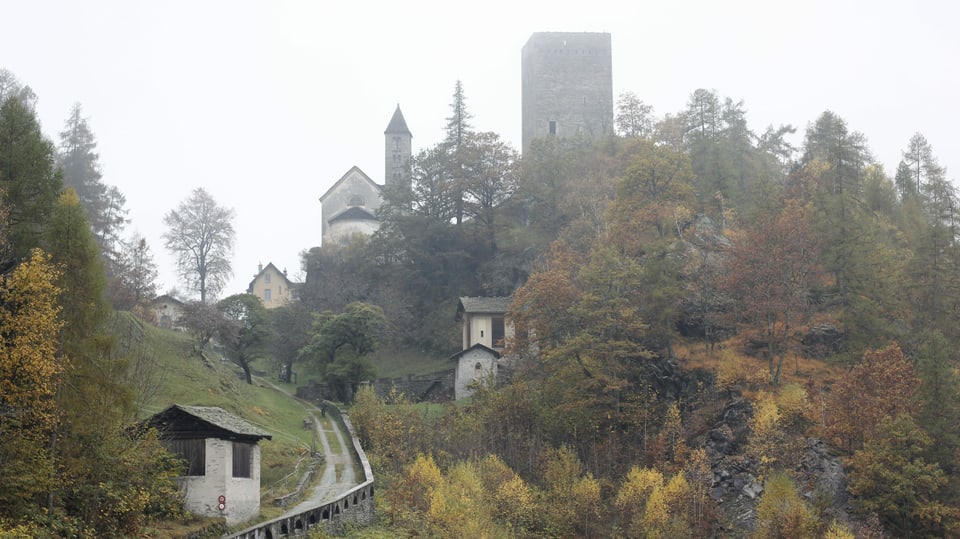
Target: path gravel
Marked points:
338	469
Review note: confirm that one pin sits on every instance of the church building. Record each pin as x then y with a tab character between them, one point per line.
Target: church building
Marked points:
350	206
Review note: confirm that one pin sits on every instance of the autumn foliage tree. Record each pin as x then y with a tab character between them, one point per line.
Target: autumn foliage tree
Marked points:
883	384
891	478
30	373
772	270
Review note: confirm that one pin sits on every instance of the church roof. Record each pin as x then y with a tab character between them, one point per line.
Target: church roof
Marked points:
347	175
397	125
354	213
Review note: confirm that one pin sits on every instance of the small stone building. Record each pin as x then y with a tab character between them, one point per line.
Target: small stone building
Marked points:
167	310
477	365
485	334
223	460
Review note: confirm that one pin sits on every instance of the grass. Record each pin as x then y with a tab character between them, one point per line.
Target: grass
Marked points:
799	370
398	364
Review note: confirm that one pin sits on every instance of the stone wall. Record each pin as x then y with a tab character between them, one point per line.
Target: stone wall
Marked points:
434	387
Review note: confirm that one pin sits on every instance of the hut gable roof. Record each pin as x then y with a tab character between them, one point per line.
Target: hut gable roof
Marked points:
181	422
166	298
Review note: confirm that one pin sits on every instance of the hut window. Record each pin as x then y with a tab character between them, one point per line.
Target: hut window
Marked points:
194	452
242	458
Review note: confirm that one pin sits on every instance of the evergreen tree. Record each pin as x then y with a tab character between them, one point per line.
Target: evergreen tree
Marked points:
457	131
28	177
458	123
919	164
104	205
135	277
95	456
939	395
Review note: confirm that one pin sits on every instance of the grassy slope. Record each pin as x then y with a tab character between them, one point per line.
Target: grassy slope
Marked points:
183	378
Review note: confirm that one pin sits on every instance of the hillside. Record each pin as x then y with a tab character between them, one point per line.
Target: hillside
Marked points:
166	370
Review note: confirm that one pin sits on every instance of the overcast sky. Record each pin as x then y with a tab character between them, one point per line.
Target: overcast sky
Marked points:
266	104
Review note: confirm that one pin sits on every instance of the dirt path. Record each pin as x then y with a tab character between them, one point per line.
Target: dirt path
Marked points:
338	474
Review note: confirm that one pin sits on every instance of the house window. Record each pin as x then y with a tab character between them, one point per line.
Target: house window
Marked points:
266	294
242	459
193	452
266	277
498	332
553	127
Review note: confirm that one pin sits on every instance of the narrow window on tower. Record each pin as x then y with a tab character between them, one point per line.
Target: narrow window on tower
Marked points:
396	143
553	127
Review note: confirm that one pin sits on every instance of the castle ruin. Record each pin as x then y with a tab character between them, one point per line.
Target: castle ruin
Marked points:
567	80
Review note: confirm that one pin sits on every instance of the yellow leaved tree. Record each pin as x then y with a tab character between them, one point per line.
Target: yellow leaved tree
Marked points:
30	369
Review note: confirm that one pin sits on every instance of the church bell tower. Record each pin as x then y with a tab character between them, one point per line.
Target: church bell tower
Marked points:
397	151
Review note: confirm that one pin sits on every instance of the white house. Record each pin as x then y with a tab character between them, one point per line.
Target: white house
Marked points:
223	460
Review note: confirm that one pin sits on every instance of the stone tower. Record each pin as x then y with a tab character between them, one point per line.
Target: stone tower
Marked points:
397	150
567	80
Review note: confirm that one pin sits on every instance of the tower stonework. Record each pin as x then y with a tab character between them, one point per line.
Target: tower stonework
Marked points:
567	80
397	150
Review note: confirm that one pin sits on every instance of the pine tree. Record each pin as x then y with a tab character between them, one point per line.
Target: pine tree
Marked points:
458	130
28	178
939	395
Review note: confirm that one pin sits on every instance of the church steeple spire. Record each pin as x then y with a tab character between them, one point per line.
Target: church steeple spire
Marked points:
397	125
397	150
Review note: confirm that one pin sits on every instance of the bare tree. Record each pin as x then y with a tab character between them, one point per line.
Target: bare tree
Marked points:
201	237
